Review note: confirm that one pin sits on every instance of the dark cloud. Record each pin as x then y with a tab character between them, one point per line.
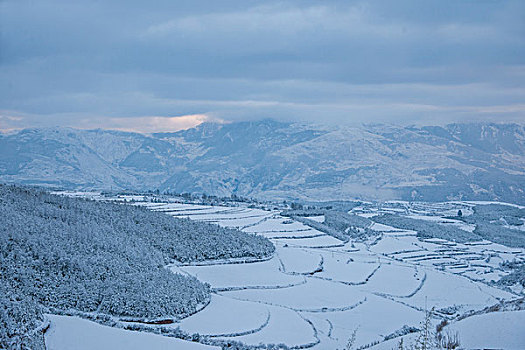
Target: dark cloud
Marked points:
339	61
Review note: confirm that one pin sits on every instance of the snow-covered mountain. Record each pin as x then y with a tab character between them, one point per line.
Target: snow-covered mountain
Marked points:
269	159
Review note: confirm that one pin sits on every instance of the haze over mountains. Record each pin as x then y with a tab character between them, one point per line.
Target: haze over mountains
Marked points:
275	160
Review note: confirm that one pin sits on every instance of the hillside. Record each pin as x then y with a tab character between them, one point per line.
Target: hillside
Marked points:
268	159
73	254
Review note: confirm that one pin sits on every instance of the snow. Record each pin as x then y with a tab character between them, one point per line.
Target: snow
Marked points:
495	202
317	295
442	290
477	261
235	317
299	260
314	242
368	215
350	267
390	245
383	228
391	231
69	332
445	221
372	320
225	216
179	206
265	274
494	330
318	218
285	326
307	233
501	330
396	280
278	224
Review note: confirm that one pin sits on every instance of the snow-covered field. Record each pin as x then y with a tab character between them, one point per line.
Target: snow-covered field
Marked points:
69	332
495	330
317	291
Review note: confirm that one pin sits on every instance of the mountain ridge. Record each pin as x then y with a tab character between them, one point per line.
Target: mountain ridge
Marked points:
276	160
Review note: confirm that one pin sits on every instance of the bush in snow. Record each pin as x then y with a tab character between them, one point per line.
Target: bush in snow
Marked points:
20	318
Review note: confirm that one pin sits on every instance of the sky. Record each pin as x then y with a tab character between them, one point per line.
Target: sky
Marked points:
167	65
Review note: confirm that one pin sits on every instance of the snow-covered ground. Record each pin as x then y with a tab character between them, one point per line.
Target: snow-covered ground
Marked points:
69	332
495	330
317	291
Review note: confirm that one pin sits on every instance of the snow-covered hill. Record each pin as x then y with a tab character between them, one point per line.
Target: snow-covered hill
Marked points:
269	159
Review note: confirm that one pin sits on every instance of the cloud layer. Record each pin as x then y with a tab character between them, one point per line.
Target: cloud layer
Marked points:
82	63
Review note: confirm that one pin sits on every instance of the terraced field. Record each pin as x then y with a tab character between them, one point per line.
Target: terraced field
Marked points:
316	291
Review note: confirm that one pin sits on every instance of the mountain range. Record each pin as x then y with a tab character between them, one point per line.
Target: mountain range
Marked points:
275	160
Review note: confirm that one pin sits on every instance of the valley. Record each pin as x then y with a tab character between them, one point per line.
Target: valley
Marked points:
317	291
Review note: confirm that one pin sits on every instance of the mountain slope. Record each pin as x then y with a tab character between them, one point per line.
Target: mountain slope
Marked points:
269	159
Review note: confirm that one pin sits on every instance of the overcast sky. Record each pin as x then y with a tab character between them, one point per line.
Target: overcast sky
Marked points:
170	64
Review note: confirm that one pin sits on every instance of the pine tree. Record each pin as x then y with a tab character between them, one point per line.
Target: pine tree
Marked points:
426	338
